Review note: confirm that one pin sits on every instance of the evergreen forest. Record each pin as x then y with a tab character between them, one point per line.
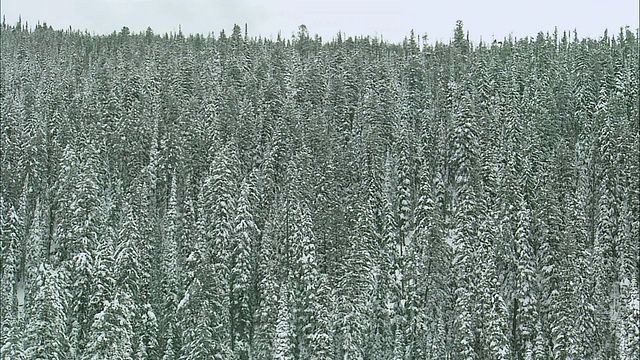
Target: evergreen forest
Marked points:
182	197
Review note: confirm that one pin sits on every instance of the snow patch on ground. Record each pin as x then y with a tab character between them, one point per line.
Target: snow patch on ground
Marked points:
20	295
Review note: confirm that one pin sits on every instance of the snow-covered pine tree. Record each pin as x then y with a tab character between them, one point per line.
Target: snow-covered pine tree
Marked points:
46	335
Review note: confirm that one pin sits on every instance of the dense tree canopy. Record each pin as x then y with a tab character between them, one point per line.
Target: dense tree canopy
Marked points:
173	197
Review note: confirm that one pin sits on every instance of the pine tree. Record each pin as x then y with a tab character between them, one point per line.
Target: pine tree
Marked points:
46	333
241	293
131	272
282	342
10	261
111	331
171	263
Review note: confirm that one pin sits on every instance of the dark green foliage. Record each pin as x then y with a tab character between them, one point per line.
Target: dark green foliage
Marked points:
172	197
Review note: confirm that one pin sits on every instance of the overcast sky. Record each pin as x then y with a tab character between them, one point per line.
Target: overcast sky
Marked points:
393	20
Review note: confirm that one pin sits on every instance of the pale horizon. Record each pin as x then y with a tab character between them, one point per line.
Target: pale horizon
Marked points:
393	21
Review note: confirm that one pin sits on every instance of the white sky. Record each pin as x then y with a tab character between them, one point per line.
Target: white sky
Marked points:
394	20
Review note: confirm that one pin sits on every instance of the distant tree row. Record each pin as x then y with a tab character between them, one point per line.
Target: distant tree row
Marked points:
171	197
